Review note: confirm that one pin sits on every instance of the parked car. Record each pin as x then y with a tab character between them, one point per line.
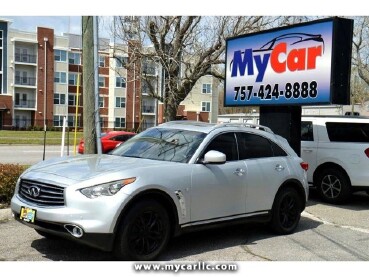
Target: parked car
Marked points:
109	140
337	151
168	179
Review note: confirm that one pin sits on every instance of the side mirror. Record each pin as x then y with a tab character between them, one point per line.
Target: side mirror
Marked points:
214	157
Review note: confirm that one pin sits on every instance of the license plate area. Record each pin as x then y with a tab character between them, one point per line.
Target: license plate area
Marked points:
28	214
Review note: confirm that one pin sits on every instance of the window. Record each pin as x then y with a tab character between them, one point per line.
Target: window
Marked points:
120	122
101	61
206	88
72	79
348	132
101	102
58	120
72	121
307	131
59	99
121	61
101	81
60	55
205	106
253	146
1	39
120	82
225	143
74	58
60	77
120	102
101	120
72	99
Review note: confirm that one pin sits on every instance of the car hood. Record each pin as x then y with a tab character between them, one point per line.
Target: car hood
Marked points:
85	167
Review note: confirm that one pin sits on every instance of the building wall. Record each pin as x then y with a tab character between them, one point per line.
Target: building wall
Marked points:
193	101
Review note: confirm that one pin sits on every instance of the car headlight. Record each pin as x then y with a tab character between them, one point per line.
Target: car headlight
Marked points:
107	189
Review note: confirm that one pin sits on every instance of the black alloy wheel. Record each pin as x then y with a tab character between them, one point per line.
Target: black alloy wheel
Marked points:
144	232
287	210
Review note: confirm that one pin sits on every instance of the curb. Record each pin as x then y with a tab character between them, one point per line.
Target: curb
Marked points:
5	214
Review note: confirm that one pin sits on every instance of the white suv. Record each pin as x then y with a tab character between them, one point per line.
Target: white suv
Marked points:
168	179
337	151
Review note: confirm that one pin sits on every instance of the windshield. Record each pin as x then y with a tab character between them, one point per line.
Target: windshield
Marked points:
162	144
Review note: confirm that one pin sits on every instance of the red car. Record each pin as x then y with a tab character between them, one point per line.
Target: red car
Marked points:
109	140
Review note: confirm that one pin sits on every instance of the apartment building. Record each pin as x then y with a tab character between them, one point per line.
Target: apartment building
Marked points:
41	84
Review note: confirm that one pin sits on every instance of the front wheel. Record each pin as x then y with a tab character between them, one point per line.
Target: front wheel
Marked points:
144	232
286	211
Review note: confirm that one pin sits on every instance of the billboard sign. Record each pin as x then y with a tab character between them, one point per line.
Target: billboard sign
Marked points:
284	66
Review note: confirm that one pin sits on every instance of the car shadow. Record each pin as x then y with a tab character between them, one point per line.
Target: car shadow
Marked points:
179	248
357	202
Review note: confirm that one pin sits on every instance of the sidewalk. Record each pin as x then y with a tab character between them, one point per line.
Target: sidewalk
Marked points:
5	214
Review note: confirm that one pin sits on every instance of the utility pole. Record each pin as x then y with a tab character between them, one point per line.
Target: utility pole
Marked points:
89	107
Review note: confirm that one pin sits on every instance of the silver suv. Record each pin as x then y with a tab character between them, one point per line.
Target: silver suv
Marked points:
171	178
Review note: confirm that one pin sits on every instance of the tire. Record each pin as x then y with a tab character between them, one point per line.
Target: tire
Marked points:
333	186
286	211
144	232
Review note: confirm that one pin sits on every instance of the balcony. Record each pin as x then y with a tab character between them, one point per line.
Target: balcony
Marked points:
149	70
26	104
25	81
25	58
148	109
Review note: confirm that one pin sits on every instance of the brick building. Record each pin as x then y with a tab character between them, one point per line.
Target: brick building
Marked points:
39	78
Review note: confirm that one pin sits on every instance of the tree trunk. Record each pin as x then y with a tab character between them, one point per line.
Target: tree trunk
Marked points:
89	130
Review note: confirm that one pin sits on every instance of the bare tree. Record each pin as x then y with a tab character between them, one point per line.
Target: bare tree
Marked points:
361	47
185	47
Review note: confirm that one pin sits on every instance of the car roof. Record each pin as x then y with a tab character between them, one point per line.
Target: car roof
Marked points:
336	118
205	127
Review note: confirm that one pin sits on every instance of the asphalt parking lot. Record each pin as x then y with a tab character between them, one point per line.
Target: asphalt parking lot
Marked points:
325	233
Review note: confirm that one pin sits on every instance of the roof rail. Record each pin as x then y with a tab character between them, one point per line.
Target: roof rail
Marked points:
248	125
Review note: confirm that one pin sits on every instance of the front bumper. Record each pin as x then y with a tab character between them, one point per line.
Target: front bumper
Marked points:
97	218
100	241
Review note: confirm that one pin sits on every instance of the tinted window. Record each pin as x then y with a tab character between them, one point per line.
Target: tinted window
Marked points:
225	143
253	146
348	132
277	150
307	131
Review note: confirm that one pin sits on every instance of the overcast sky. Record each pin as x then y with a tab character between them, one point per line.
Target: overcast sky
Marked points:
60	24
24	15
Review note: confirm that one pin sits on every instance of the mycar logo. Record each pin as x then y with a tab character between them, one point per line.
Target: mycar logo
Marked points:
281	54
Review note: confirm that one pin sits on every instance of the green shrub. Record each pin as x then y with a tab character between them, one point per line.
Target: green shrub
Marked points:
9	174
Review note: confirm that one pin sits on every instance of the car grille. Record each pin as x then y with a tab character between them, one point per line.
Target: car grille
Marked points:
41	194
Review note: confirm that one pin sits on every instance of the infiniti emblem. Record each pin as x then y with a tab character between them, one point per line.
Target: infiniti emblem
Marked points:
34	191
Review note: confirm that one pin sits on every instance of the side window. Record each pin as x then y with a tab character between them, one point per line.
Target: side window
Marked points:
225	143
348	132
307	131
277	150
253	146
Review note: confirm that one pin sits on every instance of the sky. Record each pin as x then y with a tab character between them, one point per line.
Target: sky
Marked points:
60	24
65	16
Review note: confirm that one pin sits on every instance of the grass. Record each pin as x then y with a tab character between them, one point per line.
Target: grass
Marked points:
36	137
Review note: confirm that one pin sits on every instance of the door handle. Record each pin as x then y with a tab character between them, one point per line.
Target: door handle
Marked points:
239	172
279	167
307	150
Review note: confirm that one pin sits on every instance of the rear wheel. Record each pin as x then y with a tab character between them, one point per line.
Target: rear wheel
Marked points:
286	211
333	186
144	232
